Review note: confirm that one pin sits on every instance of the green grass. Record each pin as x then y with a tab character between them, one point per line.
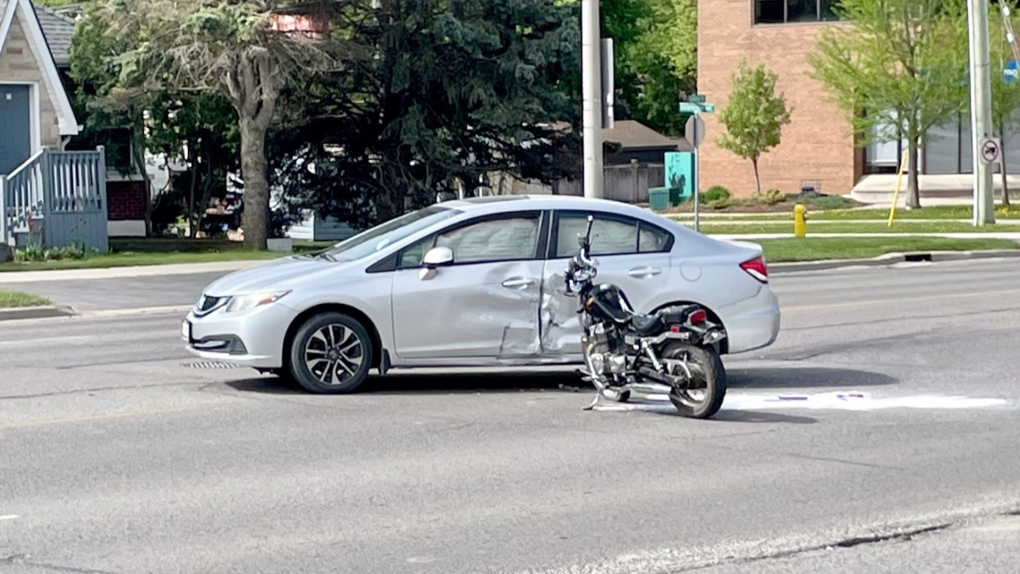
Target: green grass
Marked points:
821	248
14	299
903	227
133	259
934	212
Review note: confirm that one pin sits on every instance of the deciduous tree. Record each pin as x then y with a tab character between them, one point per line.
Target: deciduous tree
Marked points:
230	48
897	70
754	117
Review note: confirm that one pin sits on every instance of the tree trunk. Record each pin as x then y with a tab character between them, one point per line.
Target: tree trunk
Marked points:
757	178
913	185
256	185
137	151
192	216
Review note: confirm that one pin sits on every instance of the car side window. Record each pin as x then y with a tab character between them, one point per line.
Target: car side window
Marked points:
609	236
412	256
652	239
502	239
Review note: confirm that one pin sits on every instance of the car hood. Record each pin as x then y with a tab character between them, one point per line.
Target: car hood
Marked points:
284	273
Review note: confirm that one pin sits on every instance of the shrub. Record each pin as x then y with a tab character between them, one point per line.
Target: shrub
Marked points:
770	197
715	193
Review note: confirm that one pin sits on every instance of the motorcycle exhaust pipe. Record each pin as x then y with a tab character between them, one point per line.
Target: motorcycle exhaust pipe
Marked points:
649	388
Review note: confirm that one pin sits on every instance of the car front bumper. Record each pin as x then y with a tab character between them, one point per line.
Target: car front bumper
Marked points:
753	323
250	339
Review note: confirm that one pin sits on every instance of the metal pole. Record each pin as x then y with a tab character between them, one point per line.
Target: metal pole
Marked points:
980	109
697	176
591	81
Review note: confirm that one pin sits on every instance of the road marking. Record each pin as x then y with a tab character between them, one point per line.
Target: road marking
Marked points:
93	418
9	517
842	401
902	300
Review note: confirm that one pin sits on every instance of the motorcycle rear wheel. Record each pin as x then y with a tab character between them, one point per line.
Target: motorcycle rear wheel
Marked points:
708	377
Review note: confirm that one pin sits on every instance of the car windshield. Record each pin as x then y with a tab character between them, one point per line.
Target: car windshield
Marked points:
381	236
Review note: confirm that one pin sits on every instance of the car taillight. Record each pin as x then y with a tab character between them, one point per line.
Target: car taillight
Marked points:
757	268
698	317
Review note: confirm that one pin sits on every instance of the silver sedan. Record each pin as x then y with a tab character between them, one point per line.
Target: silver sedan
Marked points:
471	283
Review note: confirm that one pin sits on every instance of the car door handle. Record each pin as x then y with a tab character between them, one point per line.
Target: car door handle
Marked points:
519	283
643	272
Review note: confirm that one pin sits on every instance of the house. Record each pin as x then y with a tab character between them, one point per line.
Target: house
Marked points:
35	110
47	194
633	160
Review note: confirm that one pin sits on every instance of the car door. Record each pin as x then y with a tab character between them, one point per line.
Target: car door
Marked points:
631	254
485	303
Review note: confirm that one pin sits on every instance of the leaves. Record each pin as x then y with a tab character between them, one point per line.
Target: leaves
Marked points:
755	115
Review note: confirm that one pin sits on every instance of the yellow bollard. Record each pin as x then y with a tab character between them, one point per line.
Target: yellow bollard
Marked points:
800	220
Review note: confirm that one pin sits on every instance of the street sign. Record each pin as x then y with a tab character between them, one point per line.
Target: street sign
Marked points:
694	131
696	99
693	108
991	150
1009	73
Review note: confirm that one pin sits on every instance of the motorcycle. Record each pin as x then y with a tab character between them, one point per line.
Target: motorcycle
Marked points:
674	351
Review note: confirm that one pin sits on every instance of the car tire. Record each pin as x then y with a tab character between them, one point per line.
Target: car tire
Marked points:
331	353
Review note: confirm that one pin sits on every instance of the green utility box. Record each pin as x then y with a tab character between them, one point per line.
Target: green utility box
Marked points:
658	198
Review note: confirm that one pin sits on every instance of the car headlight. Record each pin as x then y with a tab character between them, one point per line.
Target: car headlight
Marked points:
250	301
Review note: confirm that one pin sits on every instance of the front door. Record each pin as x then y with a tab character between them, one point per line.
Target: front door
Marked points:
631	255
16	127
485	304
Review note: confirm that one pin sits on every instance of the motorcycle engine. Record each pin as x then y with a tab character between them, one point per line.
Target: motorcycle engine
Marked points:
606	350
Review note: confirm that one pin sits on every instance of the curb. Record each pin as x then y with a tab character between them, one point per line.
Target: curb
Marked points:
893	259
46	312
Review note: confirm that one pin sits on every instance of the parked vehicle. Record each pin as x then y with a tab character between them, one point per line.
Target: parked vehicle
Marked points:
673	349
471	283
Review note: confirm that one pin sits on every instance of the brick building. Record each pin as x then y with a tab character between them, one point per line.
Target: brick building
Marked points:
817	149
815	145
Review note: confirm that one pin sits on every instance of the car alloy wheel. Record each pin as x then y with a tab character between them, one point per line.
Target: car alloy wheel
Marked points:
331	353
334	354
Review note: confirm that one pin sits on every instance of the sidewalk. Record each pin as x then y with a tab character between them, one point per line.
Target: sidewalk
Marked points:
12	277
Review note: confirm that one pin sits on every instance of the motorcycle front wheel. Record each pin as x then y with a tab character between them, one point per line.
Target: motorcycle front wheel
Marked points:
705	390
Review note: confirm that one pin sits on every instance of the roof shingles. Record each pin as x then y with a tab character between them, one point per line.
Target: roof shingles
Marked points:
59	30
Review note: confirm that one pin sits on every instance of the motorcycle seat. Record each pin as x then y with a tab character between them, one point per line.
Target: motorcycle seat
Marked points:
648	325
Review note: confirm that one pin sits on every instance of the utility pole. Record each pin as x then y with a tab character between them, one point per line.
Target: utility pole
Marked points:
591	81
980	110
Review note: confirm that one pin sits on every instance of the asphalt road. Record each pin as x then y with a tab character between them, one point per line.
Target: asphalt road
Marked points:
877	435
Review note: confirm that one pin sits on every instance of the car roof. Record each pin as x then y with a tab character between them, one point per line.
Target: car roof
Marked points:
514	202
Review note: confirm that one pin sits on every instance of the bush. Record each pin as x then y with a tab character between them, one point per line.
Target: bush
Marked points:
36	252
715	193
770	197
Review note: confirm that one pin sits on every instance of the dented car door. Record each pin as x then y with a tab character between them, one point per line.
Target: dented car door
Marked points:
485	303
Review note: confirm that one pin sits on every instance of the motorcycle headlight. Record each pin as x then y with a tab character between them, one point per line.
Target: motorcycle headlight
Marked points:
250	301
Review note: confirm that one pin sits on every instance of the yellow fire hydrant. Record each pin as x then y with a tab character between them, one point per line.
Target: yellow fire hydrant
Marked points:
800	220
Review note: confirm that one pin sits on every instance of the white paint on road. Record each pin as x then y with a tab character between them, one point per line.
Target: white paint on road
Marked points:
845	401
8	517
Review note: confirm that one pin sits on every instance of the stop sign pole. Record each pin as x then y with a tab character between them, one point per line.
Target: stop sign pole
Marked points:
694	131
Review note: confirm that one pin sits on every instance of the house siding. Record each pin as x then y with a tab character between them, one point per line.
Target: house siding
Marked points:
816	145
20	63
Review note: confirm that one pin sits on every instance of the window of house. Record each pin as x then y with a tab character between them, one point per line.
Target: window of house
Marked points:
769	12
826	10
793	11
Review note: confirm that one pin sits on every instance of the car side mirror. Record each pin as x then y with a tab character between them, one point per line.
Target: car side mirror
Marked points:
435	258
